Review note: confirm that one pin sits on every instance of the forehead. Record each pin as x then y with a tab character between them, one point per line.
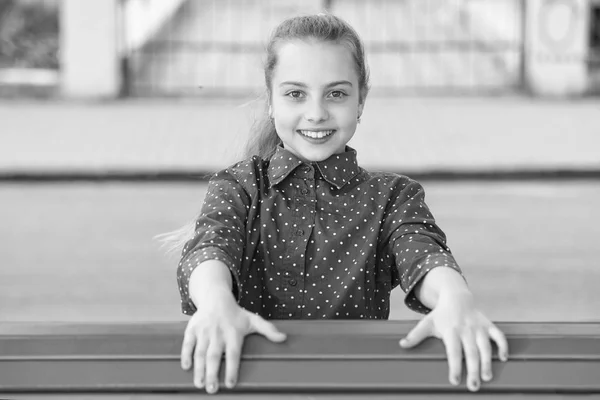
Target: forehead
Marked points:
314	63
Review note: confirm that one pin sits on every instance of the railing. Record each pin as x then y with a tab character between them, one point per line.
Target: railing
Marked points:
320	359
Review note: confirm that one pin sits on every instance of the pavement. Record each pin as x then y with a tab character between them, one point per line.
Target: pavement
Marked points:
413	135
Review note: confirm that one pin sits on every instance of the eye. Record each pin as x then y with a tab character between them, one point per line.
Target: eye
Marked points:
337	94
295	94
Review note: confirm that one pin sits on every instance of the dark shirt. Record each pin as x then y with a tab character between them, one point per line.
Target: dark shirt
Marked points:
320	240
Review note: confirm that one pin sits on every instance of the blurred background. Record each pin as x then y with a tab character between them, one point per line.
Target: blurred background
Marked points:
113	113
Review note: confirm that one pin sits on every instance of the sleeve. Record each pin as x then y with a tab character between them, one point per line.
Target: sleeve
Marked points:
219	234
415	241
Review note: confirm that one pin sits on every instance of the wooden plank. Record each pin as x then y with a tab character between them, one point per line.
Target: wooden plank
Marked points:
319	358
303	327
297	376
287	396
297	347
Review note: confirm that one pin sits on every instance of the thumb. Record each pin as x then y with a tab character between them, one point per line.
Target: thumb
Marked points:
267	329
419	333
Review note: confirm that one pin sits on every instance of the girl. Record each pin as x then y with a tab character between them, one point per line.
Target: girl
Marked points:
299	230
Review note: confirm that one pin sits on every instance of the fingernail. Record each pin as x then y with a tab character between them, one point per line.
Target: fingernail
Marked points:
475	385
455	380
211	388
231	383
403	342
487	377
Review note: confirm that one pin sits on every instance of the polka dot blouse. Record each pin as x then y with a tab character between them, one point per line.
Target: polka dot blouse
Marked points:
319	240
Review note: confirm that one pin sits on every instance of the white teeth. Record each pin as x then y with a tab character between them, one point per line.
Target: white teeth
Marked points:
316	135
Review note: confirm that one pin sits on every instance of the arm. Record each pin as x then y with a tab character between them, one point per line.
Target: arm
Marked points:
218	327
419	249
211	263
434	285
218	241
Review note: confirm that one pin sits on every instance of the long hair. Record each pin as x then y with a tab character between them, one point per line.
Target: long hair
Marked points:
263	139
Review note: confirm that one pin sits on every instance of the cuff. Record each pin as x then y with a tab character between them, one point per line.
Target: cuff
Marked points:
426	265
191	262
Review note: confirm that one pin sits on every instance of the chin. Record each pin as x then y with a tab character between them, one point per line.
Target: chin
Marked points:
317	156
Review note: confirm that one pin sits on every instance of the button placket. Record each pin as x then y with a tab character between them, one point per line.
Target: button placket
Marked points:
301	225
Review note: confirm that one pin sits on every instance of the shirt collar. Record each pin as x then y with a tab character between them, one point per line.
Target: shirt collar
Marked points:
337	170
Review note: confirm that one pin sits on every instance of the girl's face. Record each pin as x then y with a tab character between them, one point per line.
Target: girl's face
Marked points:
315	98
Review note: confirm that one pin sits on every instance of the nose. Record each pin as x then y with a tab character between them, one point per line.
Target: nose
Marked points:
316	111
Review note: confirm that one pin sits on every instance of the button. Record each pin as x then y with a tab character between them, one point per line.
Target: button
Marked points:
299	232
304	191
293	282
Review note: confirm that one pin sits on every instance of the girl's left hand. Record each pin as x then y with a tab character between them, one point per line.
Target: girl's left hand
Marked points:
463	328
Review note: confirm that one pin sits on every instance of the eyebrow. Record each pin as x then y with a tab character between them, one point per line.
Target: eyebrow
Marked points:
303	85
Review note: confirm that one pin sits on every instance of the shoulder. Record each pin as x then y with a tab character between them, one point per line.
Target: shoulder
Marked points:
397	182
246	174
393	188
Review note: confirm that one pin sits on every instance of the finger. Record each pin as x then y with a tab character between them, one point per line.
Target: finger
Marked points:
498	337
200	360
485	352
187	348
471	359
214	353
266	328
233	353
454	354
419	333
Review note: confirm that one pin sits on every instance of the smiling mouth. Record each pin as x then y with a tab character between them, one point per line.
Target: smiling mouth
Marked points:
316	134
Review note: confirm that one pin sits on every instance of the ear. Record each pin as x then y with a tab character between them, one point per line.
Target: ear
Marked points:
361	107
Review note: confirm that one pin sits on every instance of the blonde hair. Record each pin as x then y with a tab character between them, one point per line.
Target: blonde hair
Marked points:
173	242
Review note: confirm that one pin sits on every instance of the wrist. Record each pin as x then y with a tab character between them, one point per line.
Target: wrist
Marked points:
455	293
441	283
455	290
213	298
210	279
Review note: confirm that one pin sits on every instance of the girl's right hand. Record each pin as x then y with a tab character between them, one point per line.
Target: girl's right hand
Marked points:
219	326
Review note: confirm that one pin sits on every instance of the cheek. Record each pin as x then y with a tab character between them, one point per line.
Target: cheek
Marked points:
347	116
284	116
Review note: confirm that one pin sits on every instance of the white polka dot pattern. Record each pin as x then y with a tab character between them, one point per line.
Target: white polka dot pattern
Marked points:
319	240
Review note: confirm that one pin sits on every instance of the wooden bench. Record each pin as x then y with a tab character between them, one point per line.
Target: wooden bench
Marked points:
320	360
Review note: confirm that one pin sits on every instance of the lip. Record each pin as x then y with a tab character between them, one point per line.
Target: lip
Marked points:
316	130
318	134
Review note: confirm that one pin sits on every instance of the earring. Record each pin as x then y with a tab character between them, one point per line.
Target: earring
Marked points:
270	112
358	119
